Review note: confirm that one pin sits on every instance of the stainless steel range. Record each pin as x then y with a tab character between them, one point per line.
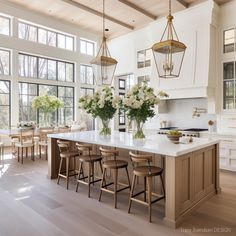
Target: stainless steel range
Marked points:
191	132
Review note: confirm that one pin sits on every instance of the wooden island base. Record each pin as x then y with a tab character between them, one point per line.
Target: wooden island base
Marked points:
190	179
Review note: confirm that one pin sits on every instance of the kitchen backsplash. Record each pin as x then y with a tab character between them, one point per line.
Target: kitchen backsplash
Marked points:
180	113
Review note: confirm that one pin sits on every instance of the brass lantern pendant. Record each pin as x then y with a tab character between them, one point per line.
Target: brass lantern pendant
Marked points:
103	64
169	53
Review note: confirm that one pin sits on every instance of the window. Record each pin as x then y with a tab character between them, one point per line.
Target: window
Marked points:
86	74
5	104
87	47
122	84
27	32
44	68
27	92
126	82
229	85
144	78
121	114
27	66
144	58
5	25
4	62
86	91
229	40
66	94
44	36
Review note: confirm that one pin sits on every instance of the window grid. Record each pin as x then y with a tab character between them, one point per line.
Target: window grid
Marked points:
5	62
86	75
87	47
5	25
144	58
50	37
5	101
37	70
27	91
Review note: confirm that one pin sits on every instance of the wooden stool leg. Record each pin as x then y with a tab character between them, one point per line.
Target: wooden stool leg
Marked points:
131	192
18	154
115	187
26	153
67	172
46	152
22	154
145	189
80	166
163	186
89	179
40	149
103	179
58	179
149	185
92	167
128	177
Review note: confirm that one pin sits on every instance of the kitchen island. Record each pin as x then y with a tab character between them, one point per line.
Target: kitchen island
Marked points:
191	169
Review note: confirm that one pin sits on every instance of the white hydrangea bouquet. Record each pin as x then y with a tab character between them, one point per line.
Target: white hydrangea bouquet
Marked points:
139	104
47	104
102	104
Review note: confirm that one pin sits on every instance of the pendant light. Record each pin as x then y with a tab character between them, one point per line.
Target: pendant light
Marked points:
169	52
103	64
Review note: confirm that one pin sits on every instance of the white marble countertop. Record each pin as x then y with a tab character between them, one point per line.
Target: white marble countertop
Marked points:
158	144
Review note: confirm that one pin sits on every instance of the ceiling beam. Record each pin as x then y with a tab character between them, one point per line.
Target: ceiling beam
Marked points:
98	13
139	9
183	3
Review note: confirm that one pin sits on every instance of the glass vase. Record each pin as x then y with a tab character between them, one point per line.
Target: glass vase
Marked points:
106	130
138	133
46	119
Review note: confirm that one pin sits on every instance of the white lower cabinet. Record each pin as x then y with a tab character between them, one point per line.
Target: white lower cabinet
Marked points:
228	155
227	150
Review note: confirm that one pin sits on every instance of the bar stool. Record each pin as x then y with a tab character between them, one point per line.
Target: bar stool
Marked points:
66	154
147	171
114	165
89	159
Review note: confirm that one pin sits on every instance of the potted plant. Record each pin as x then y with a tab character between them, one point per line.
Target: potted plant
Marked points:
139	104
102	104
47	104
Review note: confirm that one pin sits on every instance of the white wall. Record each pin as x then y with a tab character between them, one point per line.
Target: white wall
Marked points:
193	27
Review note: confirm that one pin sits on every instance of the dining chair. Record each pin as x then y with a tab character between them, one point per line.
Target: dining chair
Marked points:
43	140
26	141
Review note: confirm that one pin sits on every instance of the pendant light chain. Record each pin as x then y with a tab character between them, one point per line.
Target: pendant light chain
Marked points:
169	7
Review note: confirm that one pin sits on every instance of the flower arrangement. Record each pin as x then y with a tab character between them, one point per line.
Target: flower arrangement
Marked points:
102	104
47	104
139	105
26	125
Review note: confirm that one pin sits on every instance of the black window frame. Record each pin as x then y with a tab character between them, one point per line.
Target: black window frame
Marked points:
9	106
57	86
48	59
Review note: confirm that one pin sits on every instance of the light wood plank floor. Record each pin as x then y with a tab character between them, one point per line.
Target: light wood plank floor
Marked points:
32	205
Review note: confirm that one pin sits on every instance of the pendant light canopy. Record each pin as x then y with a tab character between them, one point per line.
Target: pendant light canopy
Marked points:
103	64
169	52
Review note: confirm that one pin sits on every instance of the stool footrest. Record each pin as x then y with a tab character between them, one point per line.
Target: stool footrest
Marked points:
86	183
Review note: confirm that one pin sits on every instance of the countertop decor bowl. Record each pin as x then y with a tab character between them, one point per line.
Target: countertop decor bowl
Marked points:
174	137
